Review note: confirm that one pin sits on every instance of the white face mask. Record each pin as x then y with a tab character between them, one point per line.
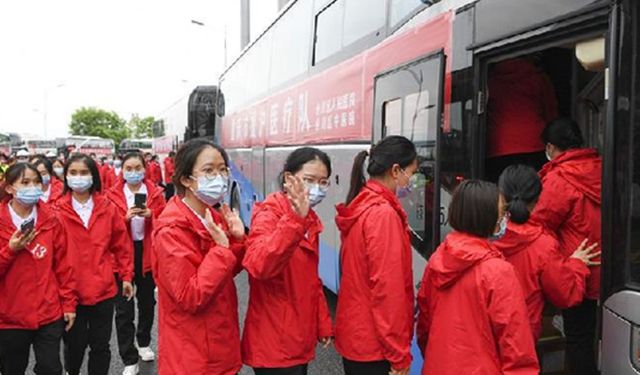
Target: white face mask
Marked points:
211	191
548	156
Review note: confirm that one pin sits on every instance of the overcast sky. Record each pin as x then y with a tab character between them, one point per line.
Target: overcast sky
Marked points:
129	56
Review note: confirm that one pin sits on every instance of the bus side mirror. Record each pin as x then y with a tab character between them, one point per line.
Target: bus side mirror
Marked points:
220	104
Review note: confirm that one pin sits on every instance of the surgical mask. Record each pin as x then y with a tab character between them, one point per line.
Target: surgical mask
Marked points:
316	195
547	155
404	191
211	191
502	228
134	177
29	195
80	184
117	163
58	171
46	180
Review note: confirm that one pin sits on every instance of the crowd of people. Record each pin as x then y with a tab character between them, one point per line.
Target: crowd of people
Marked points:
81	239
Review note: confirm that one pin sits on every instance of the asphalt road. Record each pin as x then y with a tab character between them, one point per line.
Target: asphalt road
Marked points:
327	361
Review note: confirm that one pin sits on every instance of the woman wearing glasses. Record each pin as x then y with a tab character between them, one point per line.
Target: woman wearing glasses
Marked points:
287	312
198	251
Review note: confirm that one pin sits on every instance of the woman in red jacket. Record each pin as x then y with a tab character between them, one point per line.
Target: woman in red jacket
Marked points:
58	169
472	316
282	262
198	251
543	270
139	220
169	168
374	318
569	207
51	186
36	280
96	235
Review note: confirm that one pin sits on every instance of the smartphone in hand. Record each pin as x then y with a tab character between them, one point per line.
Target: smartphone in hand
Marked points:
27	226
140	200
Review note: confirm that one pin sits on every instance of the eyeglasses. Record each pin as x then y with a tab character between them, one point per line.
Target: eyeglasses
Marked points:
212	173
323	184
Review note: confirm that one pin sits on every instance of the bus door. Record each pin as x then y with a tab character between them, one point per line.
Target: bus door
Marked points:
408	102
620	297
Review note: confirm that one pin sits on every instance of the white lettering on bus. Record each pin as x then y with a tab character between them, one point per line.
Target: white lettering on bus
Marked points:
273	119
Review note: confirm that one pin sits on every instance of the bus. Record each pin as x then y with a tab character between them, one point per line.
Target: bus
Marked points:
140	145
88	145
40	146
342	74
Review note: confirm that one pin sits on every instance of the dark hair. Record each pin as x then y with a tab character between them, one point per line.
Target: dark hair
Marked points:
132	155
186	159
564	133
390	150
172	154
16	171
474	208
520	186
301	156
47	165
93	168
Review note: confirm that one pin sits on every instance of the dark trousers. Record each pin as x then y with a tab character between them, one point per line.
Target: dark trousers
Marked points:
366	368
15	345
93	328
295	370
495	166
125	312
169	191
580	331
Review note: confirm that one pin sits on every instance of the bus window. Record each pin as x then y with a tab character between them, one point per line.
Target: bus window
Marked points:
362	17
329	31
402	9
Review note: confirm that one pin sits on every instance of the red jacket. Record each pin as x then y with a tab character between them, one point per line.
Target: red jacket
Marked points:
56	192
169	169
198	306
155	202
472	317
105	177
153	172
543	271
374	318
522	101
35	291
89	250
286	302
569	205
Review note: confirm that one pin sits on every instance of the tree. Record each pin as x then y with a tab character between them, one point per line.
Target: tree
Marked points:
97	122
141	127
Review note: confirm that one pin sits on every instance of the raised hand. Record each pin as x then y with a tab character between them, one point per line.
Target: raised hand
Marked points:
232	217
298	195
217	234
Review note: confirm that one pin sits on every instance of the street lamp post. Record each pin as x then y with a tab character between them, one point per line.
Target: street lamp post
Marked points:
202	24
44	105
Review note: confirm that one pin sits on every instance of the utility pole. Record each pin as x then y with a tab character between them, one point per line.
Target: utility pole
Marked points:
245	23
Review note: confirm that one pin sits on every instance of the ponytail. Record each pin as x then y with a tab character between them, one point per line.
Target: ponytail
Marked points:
390	150
520	186
357	175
